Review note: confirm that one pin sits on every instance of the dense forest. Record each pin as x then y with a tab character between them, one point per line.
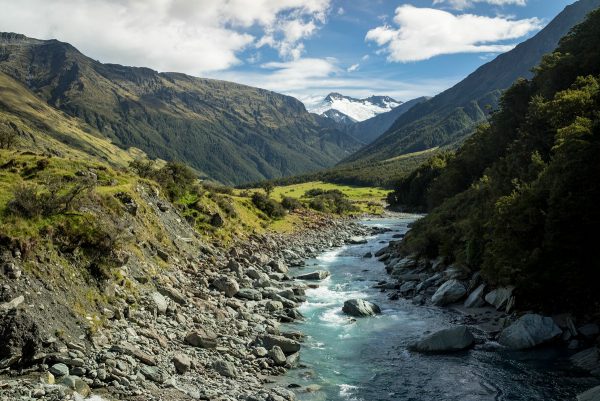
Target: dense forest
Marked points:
519	200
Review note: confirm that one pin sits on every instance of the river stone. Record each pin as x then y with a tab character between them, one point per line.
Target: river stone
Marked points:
226	285
225	368
249	293
316	275
588	359
277	355
447	340
499	297
153	373
278	266
589	331
590	395
528	331
59	370
274	306
202	339
182	363
360	308
357	240
475	299
77	384
161	302
287	345
449	292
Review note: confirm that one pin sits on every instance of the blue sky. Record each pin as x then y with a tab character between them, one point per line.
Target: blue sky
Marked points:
305	48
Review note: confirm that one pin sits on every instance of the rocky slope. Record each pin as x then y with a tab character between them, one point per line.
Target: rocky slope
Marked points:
229	132
176	318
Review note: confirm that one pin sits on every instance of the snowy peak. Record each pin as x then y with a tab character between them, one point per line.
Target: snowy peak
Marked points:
352	108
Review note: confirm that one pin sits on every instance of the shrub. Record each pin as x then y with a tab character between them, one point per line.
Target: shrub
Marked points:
290	203
331	201
267	205
9	136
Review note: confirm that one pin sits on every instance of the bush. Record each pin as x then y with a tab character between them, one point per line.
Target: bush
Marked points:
9	136
267	205
56	197
290	203
331	201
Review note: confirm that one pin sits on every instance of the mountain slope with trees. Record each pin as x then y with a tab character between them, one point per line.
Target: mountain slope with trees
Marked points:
230	132
520	199
450	117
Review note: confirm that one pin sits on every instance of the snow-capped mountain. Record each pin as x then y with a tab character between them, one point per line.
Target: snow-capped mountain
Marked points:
354	109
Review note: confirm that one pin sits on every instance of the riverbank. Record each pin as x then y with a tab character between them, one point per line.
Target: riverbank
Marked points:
208	329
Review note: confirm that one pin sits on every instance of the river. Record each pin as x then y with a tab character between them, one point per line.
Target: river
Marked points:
369	359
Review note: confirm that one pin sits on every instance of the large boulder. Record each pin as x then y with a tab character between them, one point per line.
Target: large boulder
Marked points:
226	285
528	331
475	299
160	302
278	266
288	346
449	292
360	308
499	297
447	340
316	275
590	395
250	294
202	339
357	240
20	338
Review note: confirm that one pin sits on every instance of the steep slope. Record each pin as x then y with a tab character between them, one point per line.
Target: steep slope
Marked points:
369	130
452	115
355	109
231	132
35	126
520	198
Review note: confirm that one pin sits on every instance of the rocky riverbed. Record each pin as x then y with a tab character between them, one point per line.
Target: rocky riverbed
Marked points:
208	330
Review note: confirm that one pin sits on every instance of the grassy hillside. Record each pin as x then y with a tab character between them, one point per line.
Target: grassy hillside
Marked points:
520	199
453	115
230	132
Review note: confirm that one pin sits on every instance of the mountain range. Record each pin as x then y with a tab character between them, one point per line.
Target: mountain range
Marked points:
448	118
228	132
347	110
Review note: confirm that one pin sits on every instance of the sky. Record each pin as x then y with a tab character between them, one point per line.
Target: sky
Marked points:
304	48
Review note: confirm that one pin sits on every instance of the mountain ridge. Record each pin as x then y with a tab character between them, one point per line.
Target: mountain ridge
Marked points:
233	133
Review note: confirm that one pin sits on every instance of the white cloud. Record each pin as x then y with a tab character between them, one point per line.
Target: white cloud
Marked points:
168	35
462	4
353	67
341	11
310	79
423	33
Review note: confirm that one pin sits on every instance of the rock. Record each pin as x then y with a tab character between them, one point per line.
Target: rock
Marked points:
77	384
59	370
447	340
173	294
316	275
277	355
588	359
20	338
261	352
357	240
360	308
589	331
278	266
162	254
226	285
382	251
182	363
449	292
273	306
202	339
293	359
225	368
153	373
134	352
368	255
13	304
287	345
475	299
528	331
249	293
590	395
499	297
407	287
160	302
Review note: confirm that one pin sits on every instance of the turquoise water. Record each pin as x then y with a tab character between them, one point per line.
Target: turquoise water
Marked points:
368	359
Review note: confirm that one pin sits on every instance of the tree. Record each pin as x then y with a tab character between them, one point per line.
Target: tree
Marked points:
268	187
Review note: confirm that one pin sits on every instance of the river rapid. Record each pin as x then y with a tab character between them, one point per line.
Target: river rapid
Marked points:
368	359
